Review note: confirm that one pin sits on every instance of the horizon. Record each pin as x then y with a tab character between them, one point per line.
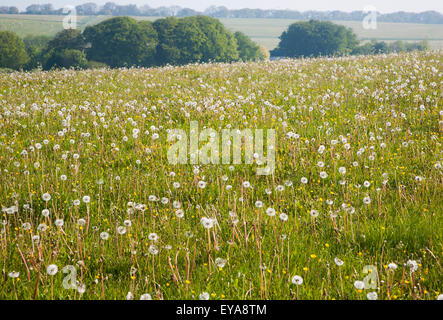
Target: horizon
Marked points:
383	7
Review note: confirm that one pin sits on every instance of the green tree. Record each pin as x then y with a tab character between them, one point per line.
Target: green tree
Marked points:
219	44
167	51
12	51
65	50
66	58
68	39
248	49
194	39
121	41
35	47
316	38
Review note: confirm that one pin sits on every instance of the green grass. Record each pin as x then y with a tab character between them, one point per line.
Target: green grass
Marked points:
374	102
263	31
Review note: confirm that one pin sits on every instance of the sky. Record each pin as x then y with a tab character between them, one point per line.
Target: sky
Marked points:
383	6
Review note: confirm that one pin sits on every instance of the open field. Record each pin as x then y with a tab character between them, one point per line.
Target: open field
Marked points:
263	31
353	209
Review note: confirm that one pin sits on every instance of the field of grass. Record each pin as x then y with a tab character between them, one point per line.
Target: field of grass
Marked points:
262	31
87	188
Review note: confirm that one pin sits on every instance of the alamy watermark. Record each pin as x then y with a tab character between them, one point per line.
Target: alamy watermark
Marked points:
70	17
370	20
247	142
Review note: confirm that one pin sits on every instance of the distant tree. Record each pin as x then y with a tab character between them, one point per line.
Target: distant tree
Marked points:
364	49
12	51
68	39
381	47
248	50
151	34
8	10
86	9
188	40
108	9
35	47
264	53
186	12
167	51
420	46
397	46
121	41
66	50
66	58
219	44
315	38
194	39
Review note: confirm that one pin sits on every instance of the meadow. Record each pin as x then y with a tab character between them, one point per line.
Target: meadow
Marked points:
93	209
263	31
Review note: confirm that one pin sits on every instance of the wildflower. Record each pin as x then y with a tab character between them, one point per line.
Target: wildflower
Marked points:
153	249
52	269
367	200
81	288
283	217
153	237
14	274
127	223
372	296
220	262
338	261
207	222
59	222
314	213
297	280
46	197
145	296
270	212
26	226
359	285
204	296
121	230
202	184
392	266
413	265
179	213
104	235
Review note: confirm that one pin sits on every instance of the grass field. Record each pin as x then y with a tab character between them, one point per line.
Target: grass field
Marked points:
353	209
263	31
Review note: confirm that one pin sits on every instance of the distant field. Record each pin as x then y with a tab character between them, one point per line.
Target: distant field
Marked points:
263	31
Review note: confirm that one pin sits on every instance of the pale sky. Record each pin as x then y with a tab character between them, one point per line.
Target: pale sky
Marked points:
300	5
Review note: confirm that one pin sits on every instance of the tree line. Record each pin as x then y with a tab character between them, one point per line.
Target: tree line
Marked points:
110	8
323	38
126	42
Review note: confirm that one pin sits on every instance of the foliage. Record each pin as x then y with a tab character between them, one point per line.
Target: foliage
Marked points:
194	39
316	38
121	41
12	51
249	50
